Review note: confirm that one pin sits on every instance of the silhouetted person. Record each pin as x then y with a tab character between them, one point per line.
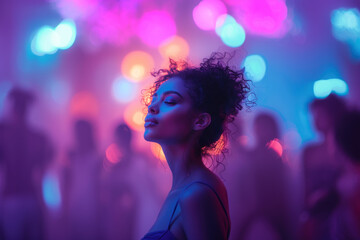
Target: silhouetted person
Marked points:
122	199
322	165
24	155
82	184
346	220
268	179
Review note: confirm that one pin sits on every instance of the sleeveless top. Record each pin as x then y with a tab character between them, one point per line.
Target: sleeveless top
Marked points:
167	235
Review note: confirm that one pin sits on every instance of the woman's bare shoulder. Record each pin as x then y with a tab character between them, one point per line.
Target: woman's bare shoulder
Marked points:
201	208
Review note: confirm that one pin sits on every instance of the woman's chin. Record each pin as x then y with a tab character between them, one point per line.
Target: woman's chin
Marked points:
148	137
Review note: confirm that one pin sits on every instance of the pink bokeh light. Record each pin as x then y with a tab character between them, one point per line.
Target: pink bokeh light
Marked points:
263	17
113	25
76	9
156	26
206	13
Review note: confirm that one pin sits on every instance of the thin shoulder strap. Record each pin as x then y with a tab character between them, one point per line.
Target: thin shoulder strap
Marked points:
218	197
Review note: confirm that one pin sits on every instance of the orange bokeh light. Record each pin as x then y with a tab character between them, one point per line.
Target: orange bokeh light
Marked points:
84	104
175	48
137	65
158	152
134	116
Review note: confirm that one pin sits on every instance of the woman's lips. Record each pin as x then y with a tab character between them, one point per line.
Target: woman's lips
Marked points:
150	122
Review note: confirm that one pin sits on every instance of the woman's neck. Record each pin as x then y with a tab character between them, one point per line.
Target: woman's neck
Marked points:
184	164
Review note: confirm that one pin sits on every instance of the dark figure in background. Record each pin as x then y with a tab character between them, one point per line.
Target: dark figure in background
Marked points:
24	156
322	166
268	176
82	183
346	220
121	201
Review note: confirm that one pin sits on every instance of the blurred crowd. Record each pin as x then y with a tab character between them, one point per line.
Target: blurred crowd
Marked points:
117	194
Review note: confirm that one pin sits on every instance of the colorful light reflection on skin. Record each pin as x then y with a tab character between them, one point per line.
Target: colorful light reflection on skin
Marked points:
263	17
156	26
157	151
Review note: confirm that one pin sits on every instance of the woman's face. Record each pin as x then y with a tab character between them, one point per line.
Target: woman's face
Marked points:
170	115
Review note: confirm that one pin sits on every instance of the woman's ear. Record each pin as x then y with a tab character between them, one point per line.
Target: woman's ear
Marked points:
202	121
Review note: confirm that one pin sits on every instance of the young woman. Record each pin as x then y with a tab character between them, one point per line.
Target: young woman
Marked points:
188	112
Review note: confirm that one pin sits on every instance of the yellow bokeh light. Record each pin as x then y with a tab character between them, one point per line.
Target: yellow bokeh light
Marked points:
137	71
137	65
134	116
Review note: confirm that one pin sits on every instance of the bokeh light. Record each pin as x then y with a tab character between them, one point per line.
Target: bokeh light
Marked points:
263	17
230	32
157	151
134	116
156	26
43	42
84	104
5	87
76	9
206	13
255	67
174	48
115	25
346	24
323	88
59	91
51	191
276	146
123	90
65	34
48	40
113	153
346	28
137	65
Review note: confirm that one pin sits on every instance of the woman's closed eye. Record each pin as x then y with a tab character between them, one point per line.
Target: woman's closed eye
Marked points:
170	102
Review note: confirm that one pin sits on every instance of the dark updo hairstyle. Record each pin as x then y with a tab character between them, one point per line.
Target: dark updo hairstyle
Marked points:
215	88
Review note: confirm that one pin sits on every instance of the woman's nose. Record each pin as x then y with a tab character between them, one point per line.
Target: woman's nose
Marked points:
153	108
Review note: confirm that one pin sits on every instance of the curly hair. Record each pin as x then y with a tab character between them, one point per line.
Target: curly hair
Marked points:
215	88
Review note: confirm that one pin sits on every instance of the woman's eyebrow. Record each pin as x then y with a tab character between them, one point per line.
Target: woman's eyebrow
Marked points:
173	92
170	92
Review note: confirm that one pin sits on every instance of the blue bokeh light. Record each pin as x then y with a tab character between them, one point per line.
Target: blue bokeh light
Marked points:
5	87
66	34
255	67
230	32
42	43
323	88
123	90
51	191
346	28
48	40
